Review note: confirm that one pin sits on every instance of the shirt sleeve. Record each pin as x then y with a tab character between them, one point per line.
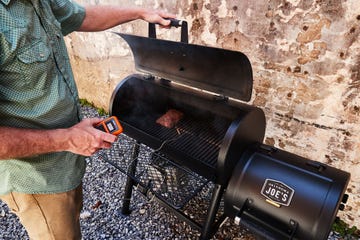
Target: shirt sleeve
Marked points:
69	14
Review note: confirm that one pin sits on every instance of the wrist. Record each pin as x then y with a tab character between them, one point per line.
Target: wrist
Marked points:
140	13
60	139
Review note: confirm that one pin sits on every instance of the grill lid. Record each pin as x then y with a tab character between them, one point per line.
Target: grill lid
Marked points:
221	71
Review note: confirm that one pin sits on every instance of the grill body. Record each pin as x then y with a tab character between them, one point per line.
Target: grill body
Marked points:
205	84
281	195
210	137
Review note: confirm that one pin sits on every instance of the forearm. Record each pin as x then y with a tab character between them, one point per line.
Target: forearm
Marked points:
82	139
98	18
17	143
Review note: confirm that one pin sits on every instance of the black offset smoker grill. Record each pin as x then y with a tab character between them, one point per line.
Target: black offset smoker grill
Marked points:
208	142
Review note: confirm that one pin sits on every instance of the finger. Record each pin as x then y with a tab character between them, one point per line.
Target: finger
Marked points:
165	22
107	137
89	152
106	145
167	15
95	150
93	121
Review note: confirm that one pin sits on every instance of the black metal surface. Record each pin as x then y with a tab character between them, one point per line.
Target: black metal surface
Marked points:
152	174
281	195
202	139
212	134
174	23
221	71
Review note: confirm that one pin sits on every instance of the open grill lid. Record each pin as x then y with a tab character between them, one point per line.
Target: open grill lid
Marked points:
221	71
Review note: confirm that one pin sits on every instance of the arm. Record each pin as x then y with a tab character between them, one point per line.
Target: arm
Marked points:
81	139
98	18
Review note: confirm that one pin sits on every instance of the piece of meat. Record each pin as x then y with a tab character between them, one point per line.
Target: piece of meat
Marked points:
170	118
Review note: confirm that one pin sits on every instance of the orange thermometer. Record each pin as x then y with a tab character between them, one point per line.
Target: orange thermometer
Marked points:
110	125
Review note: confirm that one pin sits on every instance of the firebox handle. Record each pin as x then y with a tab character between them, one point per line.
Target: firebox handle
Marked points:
173	23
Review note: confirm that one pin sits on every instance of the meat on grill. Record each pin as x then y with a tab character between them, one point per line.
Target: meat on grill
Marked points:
170	118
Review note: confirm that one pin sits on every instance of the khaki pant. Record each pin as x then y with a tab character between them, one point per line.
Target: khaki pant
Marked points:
48	216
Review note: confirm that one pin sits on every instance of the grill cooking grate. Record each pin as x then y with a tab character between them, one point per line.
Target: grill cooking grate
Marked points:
155	174
198	138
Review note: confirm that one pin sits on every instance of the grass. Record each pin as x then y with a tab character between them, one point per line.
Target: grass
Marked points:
85	102
345	230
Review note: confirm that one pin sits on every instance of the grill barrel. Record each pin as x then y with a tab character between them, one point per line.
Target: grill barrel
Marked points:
208	140
205	84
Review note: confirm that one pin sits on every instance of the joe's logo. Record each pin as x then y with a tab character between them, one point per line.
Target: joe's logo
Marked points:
277	192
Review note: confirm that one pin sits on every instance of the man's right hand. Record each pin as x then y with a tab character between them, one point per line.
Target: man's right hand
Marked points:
85	140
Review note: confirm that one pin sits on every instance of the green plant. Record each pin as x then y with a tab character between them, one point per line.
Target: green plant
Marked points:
85	102
102	111
344	230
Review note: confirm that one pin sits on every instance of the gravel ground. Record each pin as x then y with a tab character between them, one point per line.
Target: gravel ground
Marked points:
101	217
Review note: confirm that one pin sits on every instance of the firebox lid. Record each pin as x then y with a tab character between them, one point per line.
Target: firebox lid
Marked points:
221	71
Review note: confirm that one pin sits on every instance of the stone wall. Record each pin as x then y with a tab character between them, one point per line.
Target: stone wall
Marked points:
305	56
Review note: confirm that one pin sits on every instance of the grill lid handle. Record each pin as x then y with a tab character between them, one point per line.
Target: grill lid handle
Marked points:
173	23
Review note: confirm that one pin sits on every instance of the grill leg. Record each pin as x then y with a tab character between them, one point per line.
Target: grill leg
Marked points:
207	230
129	181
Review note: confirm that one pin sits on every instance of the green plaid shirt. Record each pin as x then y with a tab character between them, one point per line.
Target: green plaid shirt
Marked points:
37	90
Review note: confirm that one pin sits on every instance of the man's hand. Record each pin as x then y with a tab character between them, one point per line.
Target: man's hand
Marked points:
157	17
85	140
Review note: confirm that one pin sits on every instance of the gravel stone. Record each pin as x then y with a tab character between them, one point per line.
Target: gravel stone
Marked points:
101	217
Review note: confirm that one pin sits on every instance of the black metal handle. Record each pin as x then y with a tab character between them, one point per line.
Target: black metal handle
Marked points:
173	23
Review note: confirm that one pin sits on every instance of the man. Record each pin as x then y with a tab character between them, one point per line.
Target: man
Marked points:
42	137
